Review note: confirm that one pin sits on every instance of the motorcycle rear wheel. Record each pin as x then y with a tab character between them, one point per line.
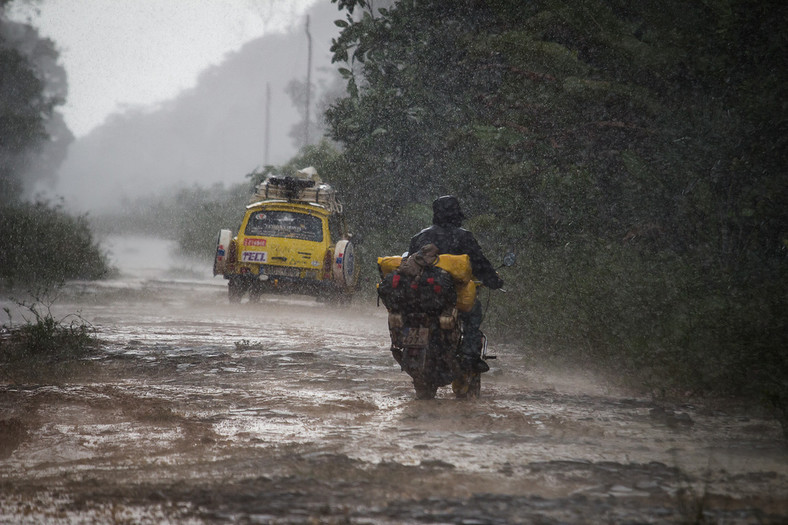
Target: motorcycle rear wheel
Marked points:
424	389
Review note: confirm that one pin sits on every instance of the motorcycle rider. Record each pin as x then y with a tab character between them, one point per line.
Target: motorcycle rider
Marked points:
447	234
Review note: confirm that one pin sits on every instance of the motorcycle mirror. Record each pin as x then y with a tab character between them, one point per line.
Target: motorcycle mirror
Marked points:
509	259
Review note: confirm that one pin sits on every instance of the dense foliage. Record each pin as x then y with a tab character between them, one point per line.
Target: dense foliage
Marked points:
44	246
632	152
33	136
40	243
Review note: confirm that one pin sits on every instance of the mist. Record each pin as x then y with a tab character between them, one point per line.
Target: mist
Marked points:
213	133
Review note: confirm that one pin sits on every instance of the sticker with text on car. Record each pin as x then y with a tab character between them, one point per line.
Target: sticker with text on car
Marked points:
259	257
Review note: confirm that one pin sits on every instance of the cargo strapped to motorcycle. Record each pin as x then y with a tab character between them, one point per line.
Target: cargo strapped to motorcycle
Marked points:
429	291
458	266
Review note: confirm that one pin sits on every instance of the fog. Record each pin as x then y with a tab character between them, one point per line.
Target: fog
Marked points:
212	133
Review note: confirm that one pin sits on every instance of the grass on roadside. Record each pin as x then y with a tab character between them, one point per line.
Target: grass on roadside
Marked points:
41	342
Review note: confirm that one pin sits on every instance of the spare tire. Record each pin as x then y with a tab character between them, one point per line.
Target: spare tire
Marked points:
222	250
343	267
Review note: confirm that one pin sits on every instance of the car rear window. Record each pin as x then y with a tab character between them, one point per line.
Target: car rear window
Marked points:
286	224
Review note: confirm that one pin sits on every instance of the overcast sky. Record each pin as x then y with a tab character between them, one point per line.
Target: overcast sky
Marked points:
121	53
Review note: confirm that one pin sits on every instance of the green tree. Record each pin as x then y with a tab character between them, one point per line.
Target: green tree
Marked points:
41	244
635	152
44	245
33	136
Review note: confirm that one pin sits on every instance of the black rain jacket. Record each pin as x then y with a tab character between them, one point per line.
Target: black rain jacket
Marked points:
450	238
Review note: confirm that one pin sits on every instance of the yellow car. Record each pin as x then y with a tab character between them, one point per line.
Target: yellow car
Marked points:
292	239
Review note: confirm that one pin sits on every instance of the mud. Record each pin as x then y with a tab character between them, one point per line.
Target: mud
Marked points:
293	411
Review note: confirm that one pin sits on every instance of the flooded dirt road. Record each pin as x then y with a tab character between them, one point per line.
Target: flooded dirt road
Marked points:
291	411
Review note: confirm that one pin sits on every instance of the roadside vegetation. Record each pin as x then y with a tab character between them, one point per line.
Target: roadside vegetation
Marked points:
39	344
44	246
633	155
41	246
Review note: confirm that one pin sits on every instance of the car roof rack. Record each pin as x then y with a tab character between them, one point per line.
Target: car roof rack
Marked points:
306	187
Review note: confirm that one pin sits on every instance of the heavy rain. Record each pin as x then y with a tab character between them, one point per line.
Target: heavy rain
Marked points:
152	372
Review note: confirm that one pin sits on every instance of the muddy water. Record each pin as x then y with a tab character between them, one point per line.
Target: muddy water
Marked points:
291	411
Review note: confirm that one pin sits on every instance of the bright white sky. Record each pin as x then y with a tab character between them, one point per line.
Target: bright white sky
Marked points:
120	53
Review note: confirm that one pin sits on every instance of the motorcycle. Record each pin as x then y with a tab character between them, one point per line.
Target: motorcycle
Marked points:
426	295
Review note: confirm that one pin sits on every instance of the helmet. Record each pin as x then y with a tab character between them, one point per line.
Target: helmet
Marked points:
446	210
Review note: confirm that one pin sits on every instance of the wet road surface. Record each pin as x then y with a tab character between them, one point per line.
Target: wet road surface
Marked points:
293	411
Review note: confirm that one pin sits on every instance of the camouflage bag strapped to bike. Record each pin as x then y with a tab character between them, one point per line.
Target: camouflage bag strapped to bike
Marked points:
418	285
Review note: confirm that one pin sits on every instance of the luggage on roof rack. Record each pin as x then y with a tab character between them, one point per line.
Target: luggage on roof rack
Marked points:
307	187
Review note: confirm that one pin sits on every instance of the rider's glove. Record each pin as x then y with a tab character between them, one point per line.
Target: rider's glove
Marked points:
494	282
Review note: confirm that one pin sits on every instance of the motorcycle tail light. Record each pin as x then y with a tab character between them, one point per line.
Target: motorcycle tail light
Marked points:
448	321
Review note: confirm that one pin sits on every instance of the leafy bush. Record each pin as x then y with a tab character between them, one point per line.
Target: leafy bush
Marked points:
43	245
659	321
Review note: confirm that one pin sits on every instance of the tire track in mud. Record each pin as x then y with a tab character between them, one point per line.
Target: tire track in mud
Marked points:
290	411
